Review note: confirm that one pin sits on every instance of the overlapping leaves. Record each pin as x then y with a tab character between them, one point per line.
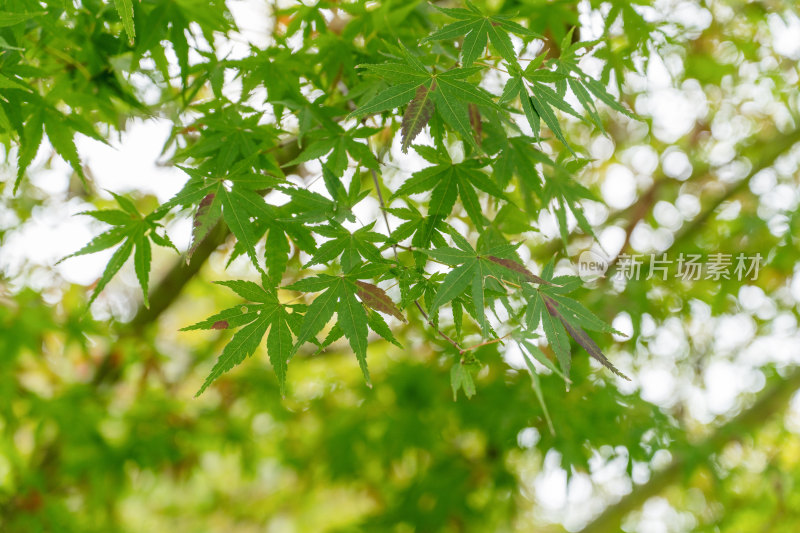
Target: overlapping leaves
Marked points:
234	197
339	296
562	317
448	92
472	272
447	182
355	302
232	162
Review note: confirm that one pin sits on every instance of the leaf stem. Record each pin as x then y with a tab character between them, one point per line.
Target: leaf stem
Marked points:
486	343
493	67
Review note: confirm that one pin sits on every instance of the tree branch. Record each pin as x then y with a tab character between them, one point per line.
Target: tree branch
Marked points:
167	291
768	152
769	403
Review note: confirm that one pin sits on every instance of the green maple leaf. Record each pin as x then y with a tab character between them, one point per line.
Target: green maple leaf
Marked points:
339	143
529	352
562	317
447	182
461	379
61	136
235	195
566	193
135	232
540	100
60	129
478	29
448	92
405	77
30	140
351	246
310	207
520	157
125	10
537	104
422	230
264	313
339	295
472	272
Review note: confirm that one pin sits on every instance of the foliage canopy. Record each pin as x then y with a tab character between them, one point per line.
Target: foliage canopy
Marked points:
409	183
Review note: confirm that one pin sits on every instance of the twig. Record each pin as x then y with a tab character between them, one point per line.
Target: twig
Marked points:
439	331
383	206
486	343
769	403
395	246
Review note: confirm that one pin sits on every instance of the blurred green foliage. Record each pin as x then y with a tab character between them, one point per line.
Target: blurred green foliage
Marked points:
100	429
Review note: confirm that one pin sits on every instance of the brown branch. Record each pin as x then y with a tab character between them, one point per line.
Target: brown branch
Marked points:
764	153
767	153
439	331
171	285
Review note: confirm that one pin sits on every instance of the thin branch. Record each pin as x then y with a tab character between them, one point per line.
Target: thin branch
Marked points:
416	302
768	153
439	331
383	204
486	343
169	288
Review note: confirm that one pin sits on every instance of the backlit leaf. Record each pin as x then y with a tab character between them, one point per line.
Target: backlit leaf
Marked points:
461	379
391	98
375	297
208	213
141	260
417	115
125	10
353	321
114	264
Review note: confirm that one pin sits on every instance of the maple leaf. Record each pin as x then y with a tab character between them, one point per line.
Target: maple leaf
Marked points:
337	144
209	212
446	182
338	295
478	29
351	246
135	232
235	194
264	313
560	316
461	379
376	298
470	275
448	91
417	115
537	103
125	10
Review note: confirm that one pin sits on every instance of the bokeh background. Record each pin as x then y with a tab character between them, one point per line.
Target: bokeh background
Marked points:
100	429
